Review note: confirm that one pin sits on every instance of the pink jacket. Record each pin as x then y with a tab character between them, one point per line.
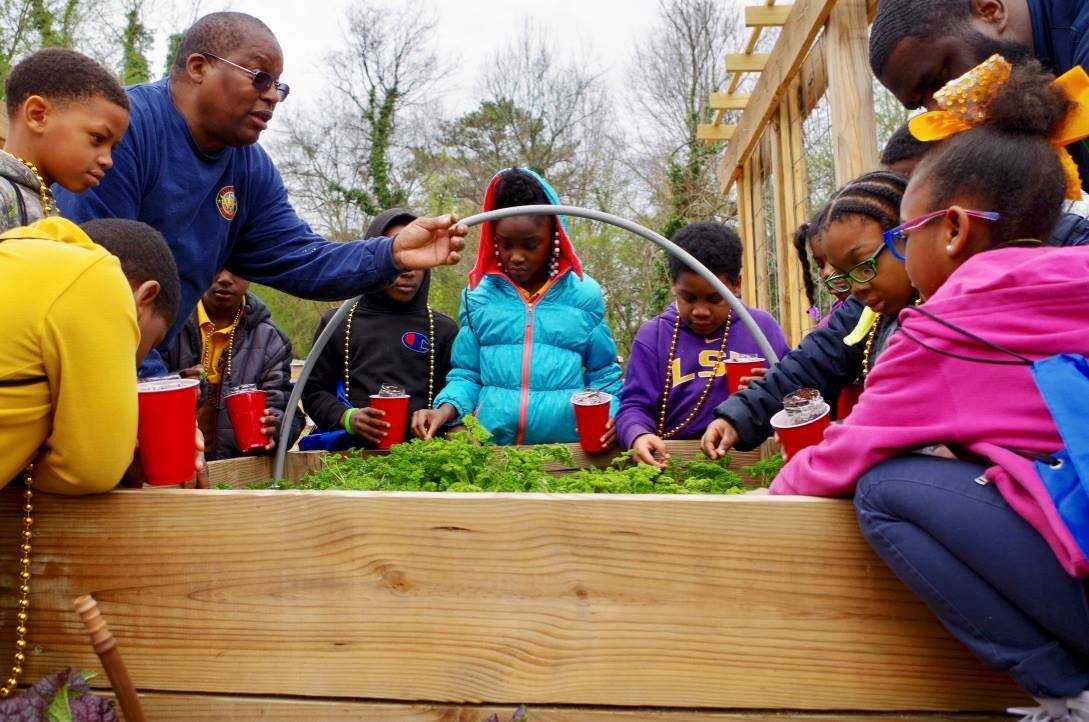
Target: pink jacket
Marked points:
1033	301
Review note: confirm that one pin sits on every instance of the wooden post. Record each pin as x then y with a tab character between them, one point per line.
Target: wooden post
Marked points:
850	90
760	237
789	214
748	237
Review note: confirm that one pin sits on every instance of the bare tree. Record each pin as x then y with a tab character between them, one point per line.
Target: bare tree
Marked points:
535	112
347	161
678	65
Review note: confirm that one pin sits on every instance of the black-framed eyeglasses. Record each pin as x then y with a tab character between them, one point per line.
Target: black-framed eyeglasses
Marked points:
896	238
262	81
863	272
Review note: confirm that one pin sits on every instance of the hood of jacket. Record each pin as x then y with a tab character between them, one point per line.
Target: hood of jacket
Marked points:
486	262
256	311
1041	291
378	301
13	170
53	228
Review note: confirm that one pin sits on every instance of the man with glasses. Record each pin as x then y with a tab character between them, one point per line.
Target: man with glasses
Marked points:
190	166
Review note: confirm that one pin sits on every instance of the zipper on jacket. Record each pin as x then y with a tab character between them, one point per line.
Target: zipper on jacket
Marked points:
527	353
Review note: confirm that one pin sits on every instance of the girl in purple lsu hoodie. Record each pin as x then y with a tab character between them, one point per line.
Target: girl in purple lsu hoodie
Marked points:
978	537
676	358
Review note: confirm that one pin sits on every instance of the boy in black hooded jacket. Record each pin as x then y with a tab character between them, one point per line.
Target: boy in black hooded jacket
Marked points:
390	337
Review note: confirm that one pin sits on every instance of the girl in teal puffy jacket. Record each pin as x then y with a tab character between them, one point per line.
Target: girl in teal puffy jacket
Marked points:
533	328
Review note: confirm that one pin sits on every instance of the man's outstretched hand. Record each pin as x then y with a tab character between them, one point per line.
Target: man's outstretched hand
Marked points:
429	242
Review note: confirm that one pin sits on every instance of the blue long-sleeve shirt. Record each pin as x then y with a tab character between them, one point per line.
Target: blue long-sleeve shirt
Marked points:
1058	41
229	209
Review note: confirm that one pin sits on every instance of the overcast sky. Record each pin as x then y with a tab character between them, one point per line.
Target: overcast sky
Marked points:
471	30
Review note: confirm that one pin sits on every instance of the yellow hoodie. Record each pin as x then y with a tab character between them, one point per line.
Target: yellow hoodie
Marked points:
68	340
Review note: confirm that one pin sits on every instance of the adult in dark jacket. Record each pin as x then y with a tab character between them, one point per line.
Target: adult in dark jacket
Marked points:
230	341
391	337
917	46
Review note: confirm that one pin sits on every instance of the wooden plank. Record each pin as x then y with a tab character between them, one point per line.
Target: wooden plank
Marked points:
163	707
813	77
712	132
791	189
850	91
748	237
246	470
745	603
763	299
746	62
728	101
801	206
784	197
764	17
786	57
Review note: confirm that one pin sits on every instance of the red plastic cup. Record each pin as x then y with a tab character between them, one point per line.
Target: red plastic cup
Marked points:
396	408
245	409
735	370
795	437
167	430
591	418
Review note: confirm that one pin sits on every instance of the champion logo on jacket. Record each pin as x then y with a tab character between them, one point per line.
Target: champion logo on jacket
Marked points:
415	341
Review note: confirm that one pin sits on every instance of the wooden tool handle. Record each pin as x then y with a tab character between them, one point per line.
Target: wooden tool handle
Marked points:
105	647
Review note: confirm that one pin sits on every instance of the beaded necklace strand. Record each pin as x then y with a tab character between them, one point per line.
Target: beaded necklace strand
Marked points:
430	353
867	354
206	357
46	195
871	338
667	386
24	587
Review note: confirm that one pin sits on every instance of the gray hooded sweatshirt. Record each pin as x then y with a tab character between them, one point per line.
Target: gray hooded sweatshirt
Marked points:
20	203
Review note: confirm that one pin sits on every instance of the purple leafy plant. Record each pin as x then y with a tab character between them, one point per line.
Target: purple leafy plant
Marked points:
63	697
519	716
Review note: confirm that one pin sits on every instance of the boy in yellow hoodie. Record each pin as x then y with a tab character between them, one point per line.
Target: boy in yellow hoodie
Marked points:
82	307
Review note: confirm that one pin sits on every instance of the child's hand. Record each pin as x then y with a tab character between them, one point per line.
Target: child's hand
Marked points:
757	373
200	481
608	439
367	423
718	439
135	477
268	428
427	422
193	372
650	450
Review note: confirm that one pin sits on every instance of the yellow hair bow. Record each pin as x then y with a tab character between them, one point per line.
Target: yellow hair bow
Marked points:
963	102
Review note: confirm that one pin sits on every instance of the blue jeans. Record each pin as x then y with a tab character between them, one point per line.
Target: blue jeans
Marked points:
990	577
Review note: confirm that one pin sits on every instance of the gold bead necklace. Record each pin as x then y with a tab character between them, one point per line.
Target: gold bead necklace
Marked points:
871	338
430	354
46	195
667	386
206	357
24	587
867	354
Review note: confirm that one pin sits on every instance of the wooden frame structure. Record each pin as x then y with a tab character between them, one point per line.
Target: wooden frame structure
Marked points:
821	49
416	607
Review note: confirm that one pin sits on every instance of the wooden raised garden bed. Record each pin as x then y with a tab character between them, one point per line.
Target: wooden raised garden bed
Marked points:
414	607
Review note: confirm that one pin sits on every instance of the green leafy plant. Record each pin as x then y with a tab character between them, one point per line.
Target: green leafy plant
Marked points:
63	697
765	470
469	462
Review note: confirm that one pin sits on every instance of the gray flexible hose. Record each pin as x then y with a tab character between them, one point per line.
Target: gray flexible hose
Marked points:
541	210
